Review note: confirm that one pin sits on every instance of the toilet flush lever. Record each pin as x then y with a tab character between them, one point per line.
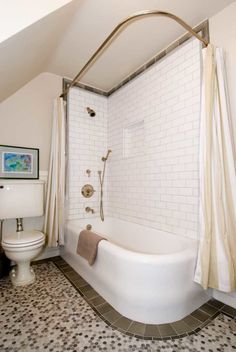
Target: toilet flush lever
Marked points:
1	186
19	224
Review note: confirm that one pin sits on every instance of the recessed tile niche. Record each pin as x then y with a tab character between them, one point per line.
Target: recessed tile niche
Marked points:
133	139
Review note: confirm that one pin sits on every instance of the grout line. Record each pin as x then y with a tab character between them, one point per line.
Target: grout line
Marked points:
132	321
174	328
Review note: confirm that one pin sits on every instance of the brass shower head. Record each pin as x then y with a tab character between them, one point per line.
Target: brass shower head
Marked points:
91	112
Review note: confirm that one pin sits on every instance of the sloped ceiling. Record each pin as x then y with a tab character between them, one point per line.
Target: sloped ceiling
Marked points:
62	42
17	15
26	54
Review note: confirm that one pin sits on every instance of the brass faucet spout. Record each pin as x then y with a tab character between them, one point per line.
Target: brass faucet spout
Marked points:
88	209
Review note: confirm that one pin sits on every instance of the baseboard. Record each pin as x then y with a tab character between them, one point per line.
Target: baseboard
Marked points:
48	253
226	298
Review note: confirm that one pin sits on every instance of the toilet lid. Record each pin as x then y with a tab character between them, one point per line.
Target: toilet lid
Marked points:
23	237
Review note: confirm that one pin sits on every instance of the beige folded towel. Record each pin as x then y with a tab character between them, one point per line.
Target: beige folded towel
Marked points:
88	245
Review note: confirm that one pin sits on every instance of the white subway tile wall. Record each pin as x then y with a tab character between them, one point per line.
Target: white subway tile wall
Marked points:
156	184
158	188
87	144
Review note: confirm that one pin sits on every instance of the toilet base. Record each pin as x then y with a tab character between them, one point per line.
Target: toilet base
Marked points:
22	274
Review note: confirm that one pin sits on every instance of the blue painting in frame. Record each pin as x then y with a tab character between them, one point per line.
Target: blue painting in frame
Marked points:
19	162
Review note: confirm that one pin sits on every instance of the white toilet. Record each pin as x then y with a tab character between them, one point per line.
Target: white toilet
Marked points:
20	199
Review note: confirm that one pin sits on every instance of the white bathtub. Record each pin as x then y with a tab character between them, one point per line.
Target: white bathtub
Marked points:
145	274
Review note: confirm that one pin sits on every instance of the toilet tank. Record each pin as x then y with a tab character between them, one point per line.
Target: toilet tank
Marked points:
21	198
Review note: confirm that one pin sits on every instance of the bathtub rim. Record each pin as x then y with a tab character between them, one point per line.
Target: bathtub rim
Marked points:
190	246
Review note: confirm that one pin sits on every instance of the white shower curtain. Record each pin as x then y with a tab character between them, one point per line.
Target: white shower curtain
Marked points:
54	212
216	264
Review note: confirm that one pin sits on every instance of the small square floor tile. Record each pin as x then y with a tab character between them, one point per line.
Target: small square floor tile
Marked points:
217	304
181	327
60	262
166	330
229	310
112	316
152	330
192	322
90	294
67	269
137	328
85	288
78	282
104	308
207	308
123	323
97	301
200	315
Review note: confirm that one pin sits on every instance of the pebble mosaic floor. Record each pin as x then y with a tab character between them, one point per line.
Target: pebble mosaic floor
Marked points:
51	315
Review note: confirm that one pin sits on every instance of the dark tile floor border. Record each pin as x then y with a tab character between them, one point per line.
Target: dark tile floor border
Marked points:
189	325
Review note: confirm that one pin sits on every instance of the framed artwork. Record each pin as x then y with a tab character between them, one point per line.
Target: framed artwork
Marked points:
19	162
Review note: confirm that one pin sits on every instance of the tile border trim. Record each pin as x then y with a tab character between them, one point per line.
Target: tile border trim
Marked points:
194	322
203	27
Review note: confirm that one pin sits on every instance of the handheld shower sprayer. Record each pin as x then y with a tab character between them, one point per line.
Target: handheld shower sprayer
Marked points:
101	175
104	158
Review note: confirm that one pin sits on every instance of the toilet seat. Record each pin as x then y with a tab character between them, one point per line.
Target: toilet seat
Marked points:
23	239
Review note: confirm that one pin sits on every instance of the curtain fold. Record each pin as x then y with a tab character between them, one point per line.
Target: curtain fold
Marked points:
55	199
216	263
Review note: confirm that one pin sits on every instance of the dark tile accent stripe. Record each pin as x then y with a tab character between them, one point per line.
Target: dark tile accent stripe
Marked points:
91	294
181	327
214	303
112	316
192	322
85	288
66	82
123	323
203	28
229	311
209	309
201	316
166	330
137	328
152	331
104	308
97	301
189	325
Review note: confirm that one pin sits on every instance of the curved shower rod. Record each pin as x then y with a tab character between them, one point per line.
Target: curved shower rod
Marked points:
120	27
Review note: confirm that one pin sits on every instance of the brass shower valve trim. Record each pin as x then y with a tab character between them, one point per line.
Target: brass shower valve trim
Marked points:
87	191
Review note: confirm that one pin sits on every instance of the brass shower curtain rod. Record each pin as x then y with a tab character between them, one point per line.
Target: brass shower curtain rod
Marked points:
120	27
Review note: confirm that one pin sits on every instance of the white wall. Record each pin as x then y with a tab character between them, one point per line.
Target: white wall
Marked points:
223	34
25	120
26	116
157	186
87	145
16	15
